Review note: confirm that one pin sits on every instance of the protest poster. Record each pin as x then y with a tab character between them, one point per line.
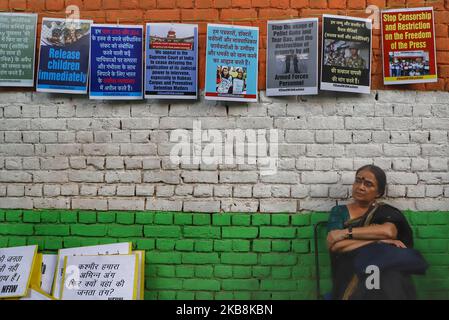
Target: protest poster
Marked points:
64	56
17	49
292	57
408	46
16	267
232	63
48	271
106	249
116	66
100	277
35	293
171	61
346	54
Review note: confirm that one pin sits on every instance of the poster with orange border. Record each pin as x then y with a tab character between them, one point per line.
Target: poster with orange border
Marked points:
408	46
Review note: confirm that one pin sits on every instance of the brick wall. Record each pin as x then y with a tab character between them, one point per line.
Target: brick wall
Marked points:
244	12
220	256
59	151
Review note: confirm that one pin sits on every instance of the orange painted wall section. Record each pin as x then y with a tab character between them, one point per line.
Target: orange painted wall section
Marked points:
246	12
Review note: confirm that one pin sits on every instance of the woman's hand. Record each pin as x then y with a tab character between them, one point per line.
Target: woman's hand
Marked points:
396	243
334	236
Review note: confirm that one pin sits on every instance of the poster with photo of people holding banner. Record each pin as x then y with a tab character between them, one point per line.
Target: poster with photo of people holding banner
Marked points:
292	57
346	54
116	66
171	59
232	63
17	49
408	46
64	56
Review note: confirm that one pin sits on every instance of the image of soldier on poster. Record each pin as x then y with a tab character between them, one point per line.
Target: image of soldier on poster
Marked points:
346	54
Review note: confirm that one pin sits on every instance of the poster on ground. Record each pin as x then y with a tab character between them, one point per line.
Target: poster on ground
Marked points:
64	56
17	49
116	65
171	61
292	57
106	249
346	54
232	63
408	46
16	268
48	271
107	277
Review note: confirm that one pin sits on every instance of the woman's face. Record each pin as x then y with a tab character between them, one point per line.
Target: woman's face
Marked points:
365	187
225	71
240	75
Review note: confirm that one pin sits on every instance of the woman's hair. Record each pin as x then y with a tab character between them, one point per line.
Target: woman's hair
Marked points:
380	177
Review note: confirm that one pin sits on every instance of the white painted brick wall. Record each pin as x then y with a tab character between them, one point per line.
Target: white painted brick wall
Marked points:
69	152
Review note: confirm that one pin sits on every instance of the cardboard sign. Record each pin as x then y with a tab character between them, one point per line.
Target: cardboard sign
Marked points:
292	57
100	277
116	65
141	274
408	46
346	54
16	267
48	271
35	293
64	56
107	249
171	59
232	53
17	49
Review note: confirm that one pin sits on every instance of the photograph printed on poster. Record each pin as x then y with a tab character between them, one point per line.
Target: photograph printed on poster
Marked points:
408	46
232	63
292	57
171	61
64	56
346	54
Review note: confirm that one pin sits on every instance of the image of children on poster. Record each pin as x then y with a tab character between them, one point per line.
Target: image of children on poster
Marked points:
408	46
292	57
171	59
346	54
116	65
100	277
232	63
64	56
17	49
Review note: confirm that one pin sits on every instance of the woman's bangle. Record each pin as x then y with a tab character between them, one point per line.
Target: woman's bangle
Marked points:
350	237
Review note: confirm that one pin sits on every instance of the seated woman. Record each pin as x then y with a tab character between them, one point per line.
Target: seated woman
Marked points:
362	222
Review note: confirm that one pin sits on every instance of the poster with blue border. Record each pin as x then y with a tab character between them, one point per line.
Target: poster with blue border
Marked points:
232	63
64	56
116	65
171	61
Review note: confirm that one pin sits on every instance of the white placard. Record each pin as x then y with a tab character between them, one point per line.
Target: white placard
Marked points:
48	271
100	277
16	266
107	249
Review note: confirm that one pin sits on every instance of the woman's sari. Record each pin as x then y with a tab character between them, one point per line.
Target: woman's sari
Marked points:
347	284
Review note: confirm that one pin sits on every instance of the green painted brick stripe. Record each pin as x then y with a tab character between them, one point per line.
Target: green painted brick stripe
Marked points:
240	232
162	231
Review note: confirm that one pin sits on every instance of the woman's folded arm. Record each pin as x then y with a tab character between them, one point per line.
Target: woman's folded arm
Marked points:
349	245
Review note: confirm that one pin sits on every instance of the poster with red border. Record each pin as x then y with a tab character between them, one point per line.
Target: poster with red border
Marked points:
408	46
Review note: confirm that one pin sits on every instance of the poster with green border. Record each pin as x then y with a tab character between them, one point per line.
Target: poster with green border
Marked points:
17	49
